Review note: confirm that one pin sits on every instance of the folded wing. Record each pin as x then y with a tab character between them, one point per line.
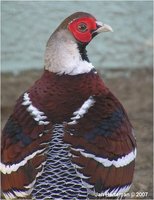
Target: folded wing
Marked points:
24	143
103	148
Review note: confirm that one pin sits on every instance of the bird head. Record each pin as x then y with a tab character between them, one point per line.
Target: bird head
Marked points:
84	27
67	44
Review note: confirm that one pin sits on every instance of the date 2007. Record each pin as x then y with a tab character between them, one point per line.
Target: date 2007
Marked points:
141	194
136	194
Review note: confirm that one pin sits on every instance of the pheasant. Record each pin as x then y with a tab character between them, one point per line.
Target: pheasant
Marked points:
68	136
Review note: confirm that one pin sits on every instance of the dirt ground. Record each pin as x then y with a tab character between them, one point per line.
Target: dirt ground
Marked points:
134	89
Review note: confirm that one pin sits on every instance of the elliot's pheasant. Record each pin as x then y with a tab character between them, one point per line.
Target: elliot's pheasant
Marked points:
68	137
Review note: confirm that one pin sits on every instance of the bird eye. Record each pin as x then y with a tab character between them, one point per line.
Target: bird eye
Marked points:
82	27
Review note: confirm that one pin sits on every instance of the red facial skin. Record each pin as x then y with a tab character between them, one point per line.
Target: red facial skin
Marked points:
86	35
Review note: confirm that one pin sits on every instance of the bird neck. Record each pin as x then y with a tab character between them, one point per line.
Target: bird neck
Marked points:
65	56
83	52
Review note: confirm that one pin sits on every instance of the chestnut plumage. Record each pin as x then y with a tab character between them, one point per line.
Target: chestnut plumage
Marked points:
68	136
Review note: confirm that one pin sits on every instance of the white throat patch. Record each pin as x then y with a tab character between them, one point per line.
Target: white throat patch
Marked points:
62	55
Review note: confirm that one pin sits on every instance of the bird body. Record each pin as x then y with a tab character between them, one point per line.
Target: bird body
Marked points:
68	136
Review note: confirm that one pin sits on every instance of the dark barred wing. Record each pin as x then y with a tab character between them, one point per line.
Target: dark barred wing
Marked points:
24	142
103	148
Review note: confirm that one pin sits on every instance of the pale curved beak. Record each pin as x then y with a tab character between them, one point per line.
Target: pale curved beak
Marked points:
103	27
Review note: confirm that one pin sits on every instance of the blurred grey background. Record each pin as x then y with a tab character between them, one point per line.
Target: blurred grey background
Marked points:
26	27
